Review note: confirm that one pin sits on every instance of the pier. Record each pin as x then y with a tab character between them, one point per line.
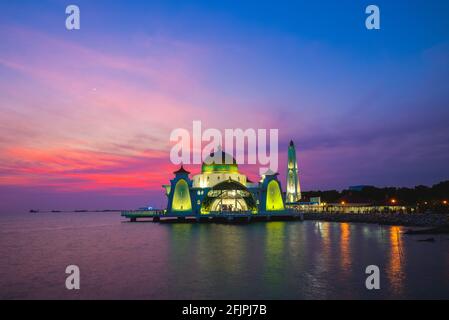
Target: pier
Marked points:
220	217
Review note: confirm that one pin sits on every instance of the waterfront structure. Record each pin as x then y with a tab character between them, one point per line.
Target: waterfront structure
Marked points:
222	188
349	208
293	193
220	191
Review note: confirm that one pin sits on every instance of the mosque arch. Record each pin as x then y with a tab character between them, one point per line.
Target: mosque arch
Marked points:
181	197
228	196
274	197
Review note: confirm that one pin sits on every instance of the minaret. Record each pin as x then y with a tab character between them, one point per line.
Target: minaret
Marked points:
293	188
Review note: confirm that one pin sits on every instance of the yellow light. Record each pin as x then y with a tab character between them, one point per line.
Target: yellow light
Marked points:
181	198
393	201
274	197
445	202
343	203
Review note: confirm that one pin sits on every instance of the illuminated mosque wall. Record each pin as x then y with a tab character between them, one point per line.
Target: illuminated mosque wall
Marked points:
181	197
274	201
179	193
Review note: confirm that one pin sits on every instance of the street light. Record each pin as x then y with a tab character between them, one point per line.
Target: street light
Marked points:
393	201
445	202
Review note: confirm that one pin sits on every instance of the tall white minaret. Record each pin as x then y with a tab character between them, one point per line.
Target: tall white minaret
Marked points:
293	189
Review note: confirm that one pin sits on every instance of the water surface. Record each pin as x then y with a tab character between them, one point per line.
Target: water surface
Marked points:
276	260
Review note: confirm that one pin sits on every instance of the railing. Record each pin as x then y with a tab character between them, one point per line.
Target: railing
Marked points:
143	212
236	214
233	213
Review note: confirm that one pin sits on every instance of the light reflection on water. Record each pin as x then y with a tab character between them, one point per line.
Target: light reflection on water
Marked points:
345	249
276	260
397	258
274	255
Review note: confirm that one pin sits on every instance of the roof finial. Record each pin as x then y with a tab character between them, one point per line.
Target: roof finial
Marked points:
181	170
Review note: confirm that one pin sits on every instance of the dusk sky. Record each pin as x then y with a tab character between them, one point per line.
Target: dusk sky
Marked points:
86	115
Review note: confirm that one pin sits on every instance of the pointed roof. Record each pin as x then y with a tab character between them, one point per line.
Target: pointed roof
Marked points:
181	170
269	172
291	143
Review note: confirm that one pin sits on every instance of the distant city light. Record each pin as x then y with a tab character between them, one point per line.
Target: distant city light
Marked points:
343	202
445	202
393	201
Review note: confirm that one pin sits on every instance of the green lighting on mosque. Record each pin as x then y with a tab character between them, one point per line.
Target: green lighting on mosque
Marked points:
223	168
221	188
181	198
274	197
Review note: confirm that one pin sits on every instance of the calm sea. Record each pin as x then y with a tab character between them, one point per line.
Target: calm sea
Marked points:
276	260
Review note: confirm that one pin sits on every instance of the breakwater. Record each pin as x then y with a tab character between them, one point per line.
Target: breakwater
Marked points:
402	219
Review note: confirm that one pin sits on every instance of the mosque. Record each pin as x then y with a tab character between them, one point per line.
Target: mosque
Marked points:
222	188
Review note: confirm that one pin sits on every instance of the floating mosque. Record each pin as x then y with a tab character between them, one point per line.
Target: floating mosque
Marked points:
222	192
222	188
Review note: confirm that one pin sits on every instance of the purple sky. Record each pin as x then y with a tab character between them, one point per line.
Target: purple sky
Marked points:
86	115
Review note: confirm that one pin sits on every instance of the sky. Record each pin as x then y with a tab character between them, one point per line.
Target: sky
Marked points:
86	115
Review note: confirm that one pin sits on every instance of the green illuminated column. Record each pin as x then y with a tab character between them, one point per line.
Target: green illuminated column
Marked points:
293	189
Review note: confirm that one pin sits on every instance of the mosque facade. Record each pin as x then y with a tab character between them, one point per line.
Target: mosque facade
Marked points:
222	188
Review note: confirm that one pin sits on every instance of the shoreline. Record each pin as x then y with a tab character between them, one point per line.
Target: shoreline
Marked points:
429	220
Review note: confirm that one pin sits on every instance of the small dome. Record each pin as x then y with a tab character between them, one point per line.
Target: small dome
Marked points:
219	161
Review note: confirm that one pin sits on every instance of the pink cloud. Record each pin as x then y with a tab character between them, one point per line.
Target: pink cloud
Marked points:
79	119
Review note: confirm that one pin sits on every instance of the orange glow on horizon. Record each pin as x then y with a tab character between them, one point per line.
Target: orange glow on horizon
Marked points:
71	169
